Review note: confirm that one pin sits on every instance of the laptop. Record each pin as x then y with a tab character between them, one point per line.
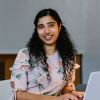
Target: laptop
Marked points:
93	87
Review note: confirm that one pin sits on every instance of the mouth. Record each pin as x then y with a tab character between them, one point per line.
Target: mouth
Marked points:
48	37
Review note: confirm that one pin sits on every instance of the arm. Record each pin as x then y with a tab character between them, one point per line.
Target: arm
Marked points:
23	95
70	87
29	96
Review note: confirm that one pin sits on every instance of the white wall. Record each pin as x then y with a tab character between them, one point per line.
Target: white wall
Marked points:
81	17
91	59
16	21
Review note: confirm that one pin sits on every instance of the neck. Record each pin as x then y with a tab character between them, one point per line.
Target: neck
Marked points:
50	50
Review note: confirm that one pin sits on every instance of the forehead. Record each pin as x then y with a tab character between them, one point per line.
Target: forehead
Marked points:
45	20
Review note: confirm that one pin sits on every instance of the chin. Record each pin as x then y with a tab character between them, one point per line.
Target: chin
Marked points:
49	44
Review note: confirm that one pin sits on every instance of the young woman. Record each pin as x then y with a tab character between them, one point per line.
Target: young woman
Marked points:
47	64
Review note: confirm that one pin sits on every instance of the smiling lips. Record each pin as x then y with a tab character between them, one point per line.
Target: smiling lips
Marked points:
48	37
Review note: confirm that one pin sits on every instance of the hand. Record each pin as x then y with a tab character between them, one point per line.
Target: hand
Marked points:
67	97
79	95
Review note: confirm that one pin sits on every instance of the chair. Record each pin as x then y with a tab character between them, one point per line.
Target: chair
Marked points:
5	90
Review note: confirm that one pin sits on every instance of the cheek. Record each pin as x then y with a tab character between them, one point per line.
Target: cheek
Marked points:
56	32
40	32
40	35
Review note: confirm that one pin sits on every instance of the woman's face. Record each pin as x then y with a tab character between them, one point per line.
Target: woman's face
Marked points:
48	30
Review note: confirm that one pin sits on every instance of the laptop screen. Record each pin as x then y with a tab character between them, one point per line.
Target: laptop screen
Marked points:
93	87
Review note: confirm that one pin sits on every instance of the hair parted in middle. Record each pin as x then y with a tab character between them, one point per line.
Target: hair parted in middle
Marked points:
64	45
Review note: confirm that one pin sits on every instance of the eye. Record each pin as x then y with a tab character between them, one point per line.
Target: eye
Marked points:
40	27
51	25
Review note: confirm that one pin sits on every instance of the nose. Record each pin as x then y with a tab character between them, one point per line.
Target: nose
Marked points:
47	30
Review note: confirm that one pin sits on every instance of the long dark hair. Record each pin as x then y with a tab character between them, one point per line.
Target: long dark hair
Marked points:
64	45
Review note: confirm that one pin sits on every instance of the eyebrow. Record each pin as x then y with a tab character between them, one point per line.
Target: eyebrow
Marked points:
50	22
47	23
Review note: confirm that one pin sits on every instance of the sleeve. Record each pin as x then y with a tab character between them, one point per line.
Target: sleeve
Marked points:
19	74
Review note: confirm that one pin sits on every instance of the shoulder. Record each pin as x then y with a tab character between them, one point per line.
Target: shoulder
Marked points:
23	54
21	60
24	51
